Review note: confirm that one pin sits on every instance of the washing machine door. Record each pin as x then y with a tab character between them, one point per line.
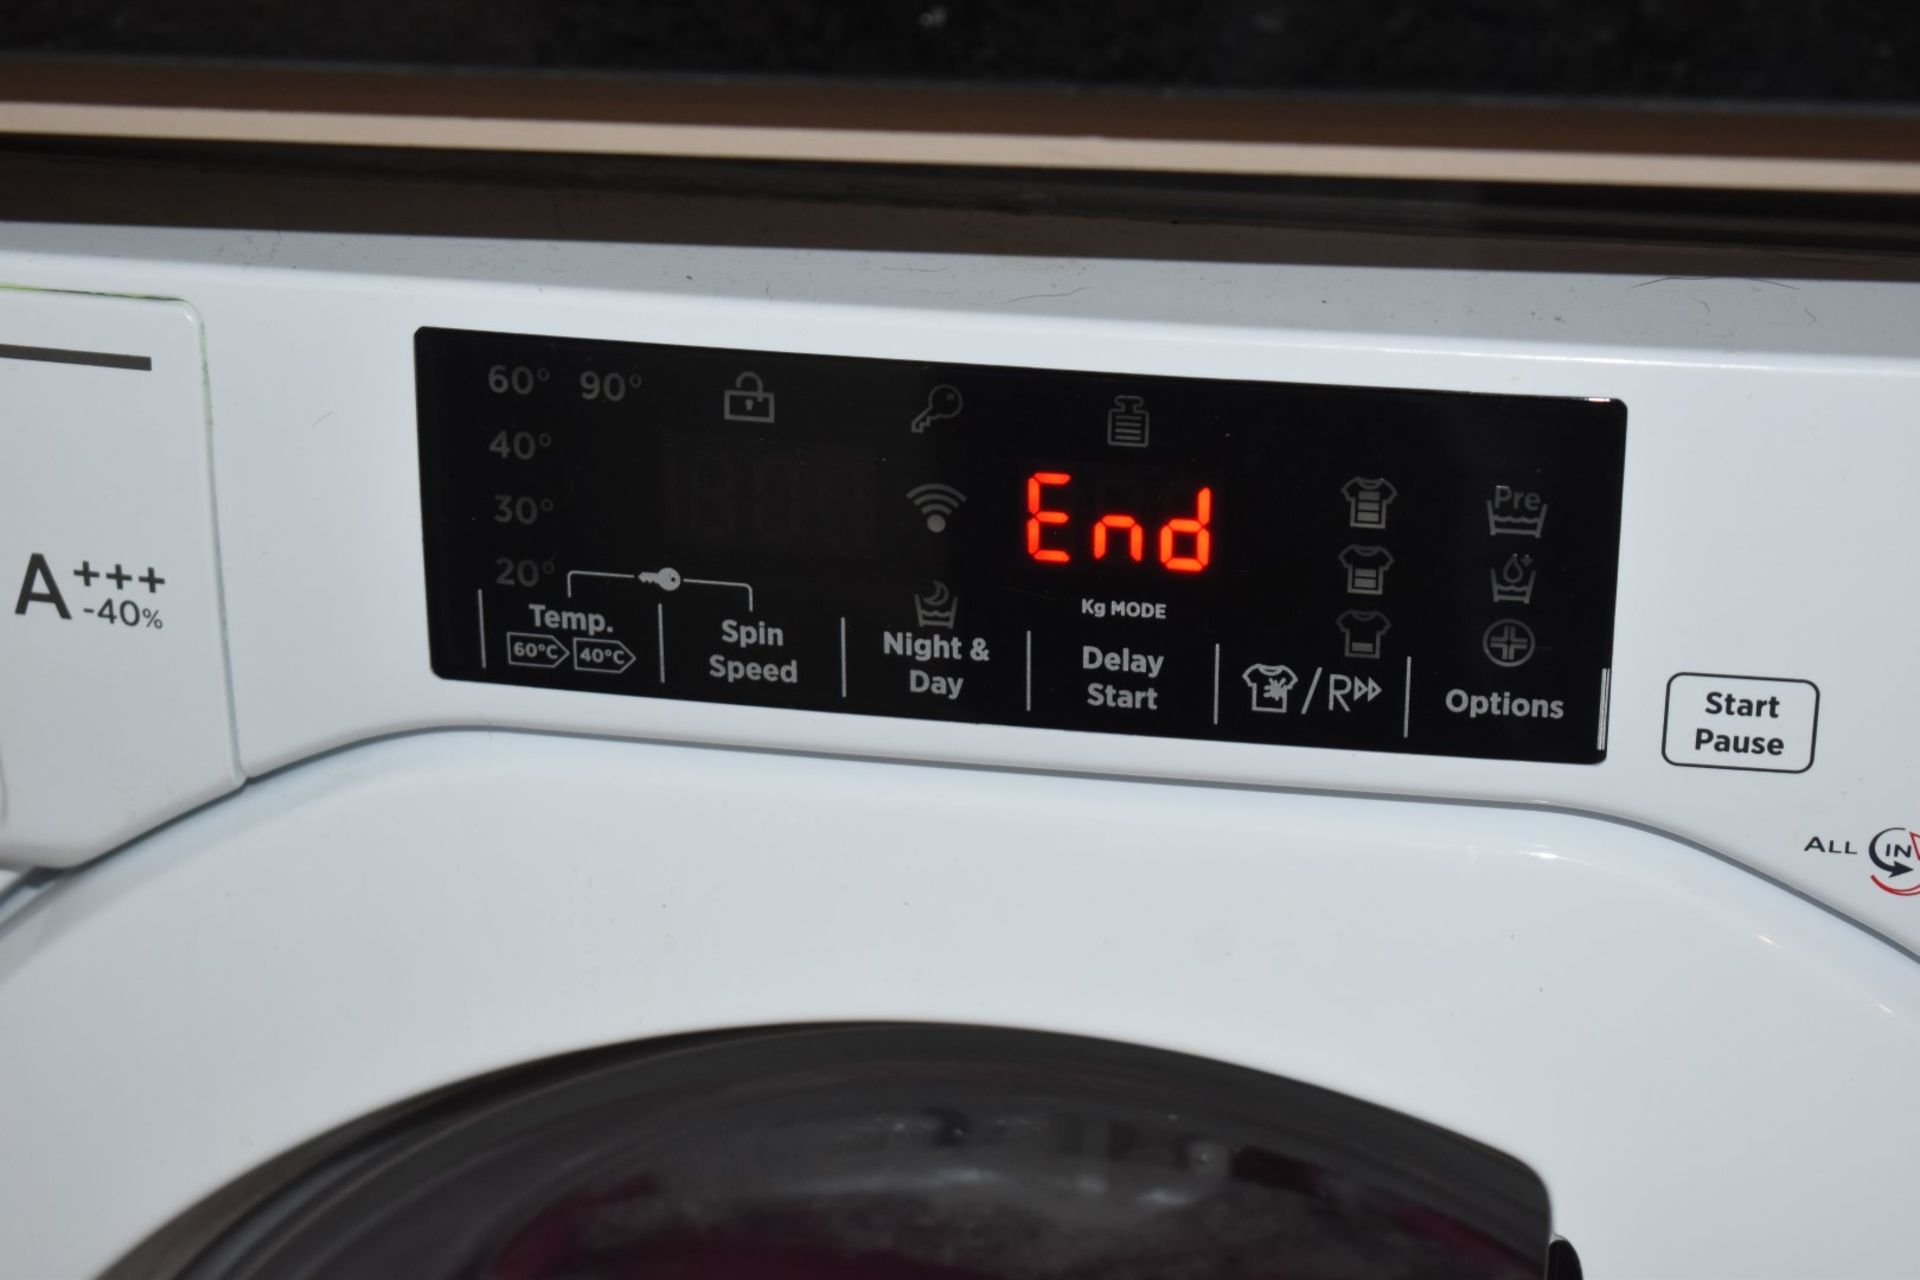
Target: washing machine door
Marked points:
889	1153
1702	1070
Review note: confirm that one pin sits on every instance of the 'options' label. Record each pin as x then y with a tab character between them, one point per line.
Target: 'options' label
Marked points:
1741	722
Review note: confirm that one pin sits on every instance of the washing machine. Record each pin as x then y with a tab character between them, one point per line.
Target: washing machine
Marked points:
707	737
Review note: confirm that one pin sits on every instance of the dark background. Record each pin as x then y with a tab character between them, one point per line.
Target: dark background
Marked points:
1737	51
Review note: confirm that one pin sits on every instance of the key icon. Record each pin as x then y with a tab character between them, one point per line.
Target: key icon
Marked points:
667	579
943	402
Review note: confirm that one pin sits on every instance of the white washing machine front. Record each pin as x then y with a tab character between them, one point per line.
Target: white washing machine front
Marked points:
367	759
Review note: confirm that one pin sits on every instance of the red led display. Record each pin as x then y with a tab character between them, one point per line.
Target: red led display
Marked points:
1176	556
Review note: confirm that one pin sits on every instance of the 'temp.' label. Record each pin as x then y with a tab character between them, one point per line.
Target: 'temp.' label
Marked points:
1741	722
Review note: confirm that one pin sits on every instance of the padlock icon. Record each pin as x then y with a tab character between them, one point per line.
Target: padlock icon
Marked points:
748	401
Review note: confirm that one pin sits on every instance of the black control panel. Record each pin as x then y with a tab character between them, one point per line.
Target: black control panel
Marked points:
1110	552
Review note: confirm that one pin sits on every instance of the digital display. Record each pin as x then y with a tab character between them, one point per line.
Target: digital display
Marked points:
780	495
1282	563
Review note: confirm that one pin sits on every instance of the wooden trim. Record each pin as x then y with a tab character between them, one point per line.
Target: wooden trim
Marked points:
1017	127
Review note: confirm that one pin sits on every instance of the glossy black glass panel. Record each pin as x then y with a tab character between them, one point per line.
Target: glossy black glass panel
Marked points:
1259	562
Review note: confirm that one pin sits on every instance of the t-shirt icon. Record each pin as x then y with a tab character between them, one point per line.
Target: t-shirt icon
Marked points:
1367	500
1366	569
1364	630
1269	683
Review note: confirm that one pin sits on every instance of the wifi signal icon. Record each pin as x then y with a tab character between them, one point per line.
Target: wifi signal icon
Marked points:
936	503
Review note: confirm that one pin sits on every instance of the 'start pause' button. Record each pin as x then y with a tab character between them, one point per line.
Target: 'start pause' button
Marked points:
1741	722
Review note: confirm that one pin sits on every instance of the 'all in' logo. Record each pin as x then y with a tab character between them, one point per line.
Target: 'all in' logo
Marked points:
1895	854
